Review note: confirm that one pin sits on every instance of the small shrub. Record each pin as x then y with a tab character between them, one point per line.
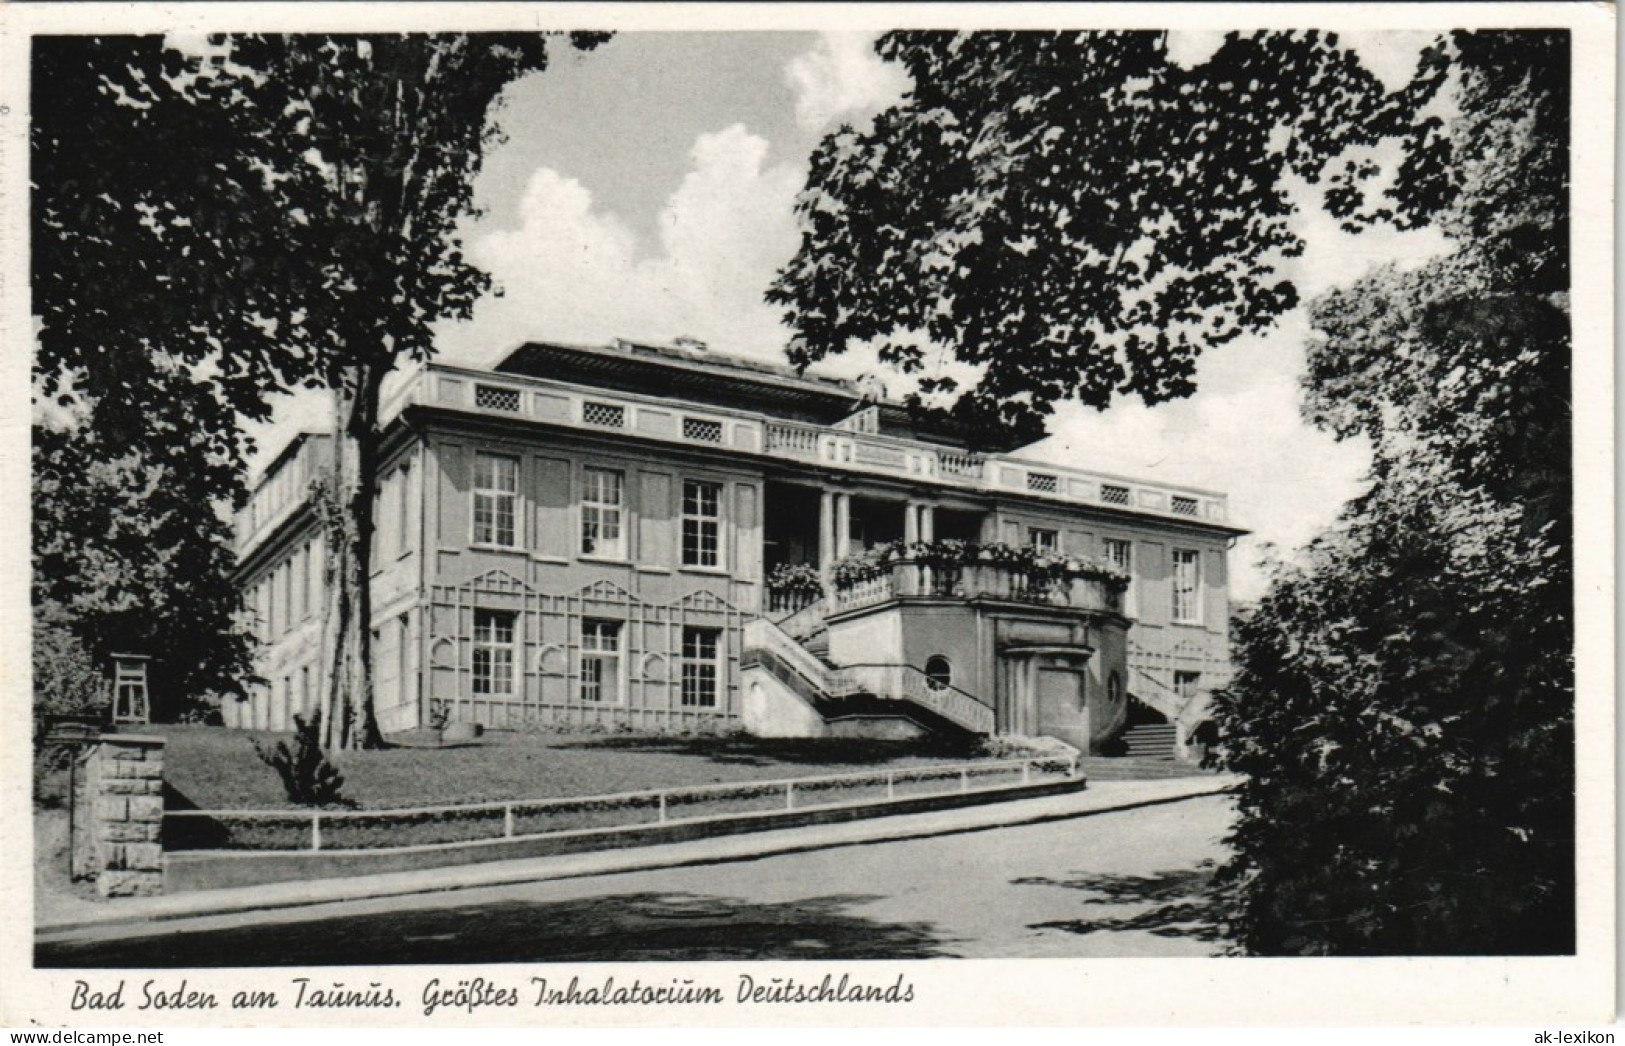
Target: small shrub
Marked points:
66	679
307	776
439	714
205	712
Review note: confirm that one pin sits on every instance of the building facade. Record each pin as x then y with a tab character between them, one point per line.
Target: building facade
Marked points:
587	535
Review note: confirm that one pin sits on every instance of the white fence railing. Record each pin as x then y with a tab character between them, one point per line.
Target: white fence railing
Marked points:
456	825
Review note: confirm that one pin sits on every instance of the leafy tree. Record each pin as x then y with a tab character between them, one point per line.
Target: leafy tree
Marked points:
1074	215
146	207
129	555
287	217
1077	216
1404	704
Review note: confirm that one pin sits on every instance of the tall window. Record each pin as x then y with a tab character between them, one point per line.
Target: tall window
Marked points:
1187	588
601	499
403	659
1044	539
289	618
600	661
496	492
262	611
301	591
702	524
318	565
699	678
403	509
493	652
1120	554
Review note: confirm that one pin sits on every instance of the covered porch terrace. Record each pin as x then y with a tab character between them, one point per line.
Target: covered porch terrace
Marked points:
808	529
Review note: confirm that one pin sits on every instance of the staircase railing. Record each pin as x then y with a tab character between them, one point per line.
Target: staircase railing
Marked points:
1166	702
762	634
803	621
907	683
890	682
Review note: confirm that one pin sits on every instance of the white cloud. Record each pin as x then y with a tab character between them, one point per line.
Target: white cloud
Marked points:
1189	48
571	271
1241	435
842	76
1390	54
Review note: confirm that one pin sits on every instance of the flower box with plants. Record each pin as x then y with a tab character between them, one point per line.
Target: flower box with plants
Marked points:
964	567
792	586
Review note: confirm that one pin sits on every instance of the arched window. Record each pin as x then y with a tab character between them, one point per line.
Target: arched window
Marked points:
939	674
1114	688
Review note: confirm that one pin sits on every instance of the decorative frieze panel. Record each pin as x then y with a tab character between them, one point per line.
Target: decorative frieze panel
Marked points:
547	648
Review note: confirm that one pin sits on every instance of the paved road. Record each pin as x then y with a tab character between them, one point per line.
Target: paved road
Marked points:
1116	884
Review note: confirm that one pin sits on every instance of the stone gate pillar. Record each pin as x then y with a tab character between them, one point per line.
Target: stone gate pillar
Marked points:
118	816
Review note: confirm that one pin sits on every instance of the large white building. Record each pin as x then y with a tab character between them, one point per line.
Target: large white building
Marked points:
590	535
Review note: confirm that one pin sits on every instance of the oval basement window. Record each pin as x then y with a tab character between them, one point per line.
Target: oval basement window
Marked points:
939	674
1114	688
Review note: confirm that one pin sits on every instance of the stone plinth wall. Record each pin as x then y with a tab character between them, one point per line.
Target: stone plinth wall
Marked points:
118	815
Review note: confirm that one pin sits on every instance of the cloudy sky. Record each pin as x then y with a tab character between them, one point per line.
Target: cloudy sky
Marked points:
645	192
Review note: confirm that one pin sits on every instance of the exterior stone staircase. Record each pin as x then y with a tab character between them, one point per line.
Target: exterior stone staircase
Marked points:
1151	742
803	666
795	650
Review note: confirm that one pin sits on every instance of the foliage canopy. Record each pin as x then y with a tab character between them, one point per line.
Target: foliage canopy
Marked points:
1076	215
1404	707
214	228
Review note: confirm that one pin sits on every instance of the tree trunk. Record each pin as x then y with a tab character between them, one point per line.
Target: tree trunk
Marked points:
350	718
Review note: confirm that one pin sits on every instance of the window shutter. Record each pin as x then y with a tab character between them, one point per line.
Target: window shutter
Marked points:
747	557
654	519
454	496
1216	612
550	494
318	573
1156	593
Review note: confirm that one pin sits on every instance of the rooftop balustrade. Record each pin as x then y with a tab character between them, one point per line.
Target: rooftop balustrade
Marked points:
824	445
827	446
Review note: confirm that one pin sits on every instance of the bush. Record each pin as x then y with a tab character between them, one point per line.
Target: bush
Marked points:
65	677
308	777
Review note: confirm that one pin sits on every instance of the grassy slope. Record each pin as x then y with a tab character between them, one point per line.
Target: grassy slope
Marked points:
215	768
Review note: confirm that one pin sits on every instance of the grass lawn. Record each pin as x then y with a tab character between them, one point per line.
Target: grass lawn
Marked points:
214	768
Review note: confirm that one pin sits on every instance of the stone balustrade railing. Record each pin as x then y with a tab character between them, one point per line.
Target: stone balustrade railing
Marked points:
909	579
827	446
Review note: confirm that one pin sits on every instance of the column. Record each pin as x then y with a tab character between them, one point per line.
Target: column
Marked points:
911	523
843	525
826	533
119	816
928	523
